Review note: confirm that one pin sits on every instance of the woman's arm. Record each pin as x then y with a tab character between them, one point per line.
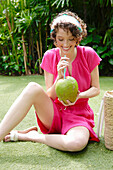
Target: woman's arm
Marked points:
49	78
95	87
93	91
50	86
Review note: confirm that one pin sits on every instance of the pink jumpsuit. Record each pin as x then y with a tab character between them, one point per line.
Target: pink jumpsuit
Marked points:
79	114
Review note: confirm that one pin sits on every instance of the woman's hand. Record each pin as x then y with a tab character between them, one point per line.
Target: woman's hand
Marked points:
69	103
63	63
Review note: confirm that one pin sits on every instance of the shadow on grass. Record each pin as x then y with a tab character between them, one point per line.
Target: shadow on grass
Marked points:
43	156
94	156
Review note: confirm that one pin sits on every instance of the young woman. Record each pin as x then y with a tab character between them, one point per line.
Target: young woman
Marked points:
64	127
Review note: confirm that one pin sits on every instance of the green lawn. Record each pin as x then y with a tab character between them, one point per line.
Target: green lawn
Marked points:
35	156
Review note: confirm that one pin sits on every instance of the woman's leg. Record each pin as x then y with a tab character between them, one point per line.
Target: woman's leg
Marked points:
76	139
7	138
33	128
33	94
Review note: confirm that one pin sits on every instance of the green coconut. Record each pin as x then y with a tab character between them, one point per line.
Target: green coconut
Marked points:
67	89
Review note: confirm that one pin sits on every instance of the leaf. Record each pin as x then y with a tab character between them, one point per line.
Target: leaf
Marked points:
105	55
110	52
101	49
111	23
5	58
9	73
23	70
59	3
16	67
6	66
63	3
67	2
111	61
91	29
11	63
95	47
37	21
97	38
55	2
87	40
111	3
108	35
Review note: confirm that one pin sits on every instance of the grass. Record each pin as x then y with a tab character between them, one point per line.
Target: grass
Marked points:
35	156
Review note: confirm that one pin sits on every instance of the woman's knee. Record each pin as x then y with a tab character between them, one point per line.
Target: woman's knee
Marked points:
33	89
77	144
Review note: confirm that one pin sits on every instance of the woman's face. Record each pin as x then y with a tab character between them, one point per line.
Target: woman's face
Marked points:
65	41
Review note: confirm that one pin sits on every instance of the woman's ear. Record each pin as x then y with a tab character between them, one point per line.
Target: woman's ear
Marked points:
77	43
78	40
55	43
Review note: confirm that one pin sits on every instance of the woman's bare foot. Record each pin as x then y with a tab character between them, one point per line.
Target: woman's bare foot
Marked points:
19	134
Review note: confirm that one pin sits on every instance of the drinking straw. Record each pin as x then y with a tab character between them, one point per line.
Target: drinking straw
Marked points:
64	71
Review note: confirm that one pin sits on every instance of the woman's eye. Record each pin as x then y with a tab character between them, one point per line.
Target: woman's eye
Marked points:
60	39
71	39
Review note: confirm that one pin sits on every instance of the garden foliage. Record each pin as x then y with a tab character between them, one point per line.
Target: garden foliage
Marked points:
25	32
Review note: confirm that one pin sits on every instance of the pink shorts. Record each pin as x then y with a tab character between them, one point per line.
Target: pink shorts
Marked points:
66	118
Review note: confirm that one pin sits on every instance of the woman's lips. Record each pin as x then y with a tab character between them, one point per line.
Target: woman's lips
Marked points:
66	49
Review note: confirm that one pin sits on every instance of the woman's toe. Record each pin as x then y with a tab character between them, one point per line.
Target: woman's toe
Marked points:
7	138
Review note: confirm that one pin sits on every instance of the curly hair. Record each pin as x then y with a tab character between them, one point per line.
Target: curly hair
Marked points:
68	26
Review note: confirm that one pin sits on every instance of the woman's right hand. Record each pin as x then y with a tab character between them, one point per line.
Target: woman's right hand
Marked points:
63	63
69	103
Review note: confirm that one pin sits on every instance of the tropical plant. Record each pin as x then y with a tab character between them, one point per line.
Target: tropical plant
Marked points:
25	31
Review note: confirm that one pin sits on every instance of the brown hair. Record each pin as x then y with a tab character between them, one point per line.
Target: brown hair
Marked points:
67	26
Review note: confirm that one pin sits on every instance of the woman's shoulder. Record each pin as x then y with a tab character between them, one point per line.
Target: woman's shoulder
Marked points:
51	56
51	52
86	49
89	57
87	52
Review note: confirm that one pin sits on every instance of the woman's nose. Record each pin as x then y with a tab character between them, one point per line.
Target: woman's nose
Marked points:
66	43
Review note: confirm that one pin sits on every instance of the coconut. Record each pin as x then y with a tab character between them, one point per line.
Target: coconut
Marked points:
67	89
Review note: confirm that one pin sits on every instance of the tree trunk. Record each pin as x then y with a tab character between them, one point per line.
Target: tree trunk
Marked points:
3	52
46	47
25	54
29	50
38	51
8	23
14	51
40	39
30	54
32	50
